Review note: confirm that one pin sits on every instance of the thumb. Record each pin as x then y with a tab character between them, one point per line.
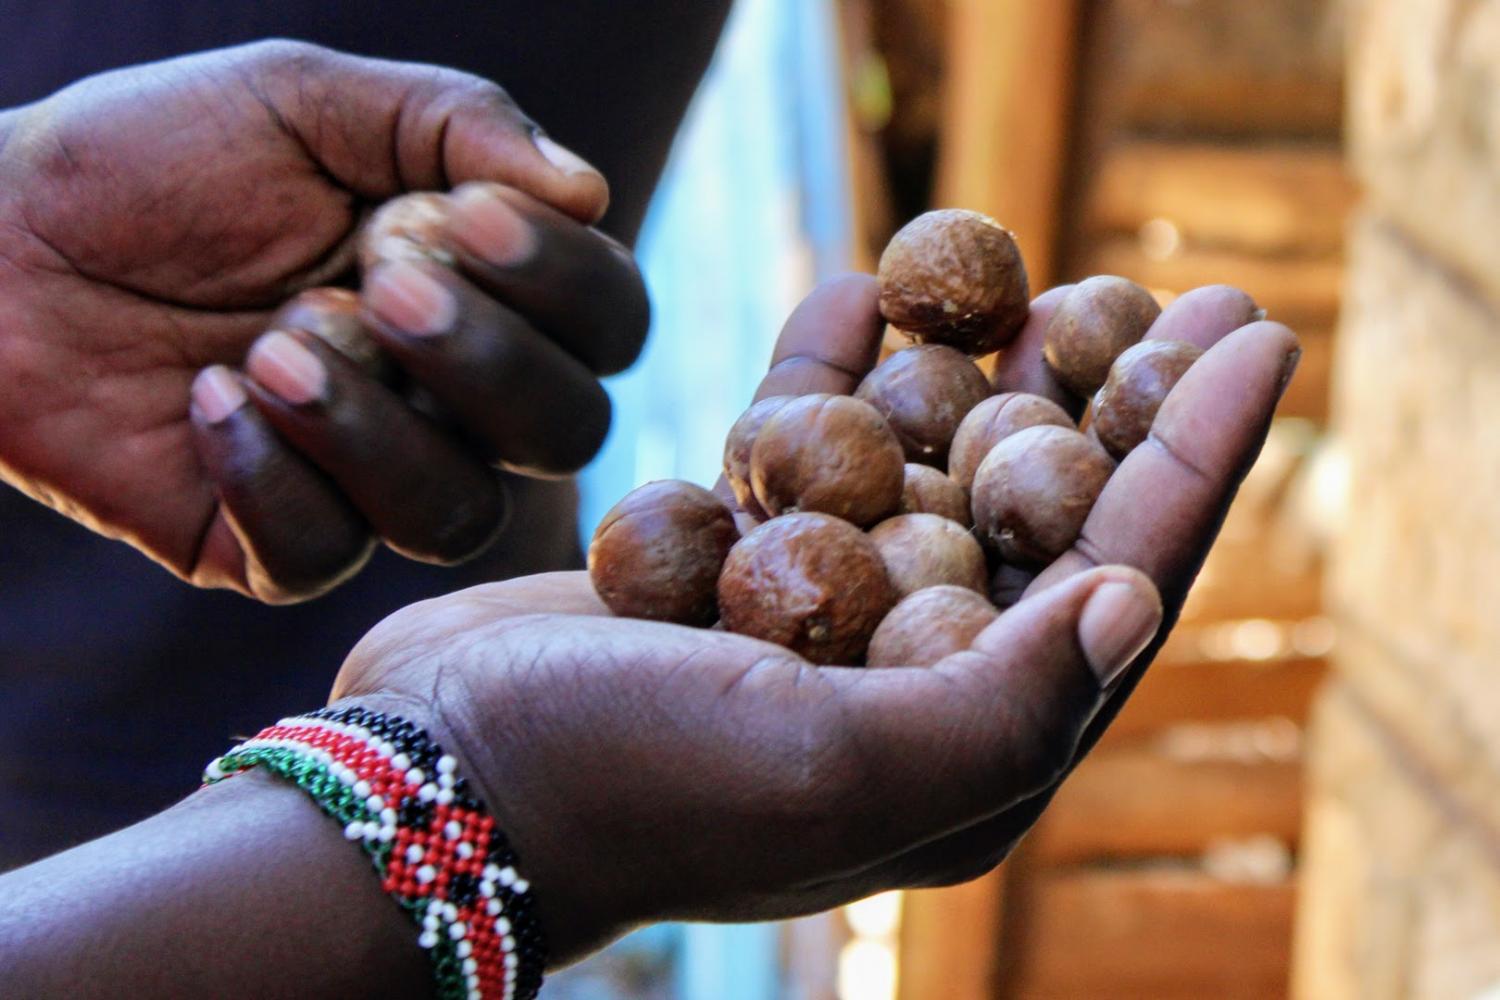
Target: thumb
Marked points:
382	128
987	727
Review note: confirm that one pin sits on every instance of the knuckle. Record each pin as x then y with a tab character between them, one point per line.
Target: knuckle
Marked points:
284	53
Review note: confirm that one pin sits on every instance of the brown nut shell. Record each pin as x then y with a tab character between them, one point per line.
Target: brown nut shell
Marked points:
411	227
737	445
831	454
1034	490
924	550
658	553
955	277
332	315
1138	384
929	625
810	582
928	491
924	392
994	420
1092	326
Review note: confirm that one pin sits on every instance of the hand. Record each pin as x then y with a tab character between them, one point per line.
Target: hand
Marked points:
648	771
152	219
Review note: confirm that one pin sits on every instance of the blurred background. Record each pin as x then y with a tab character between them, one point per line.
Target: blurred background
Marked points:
1303	798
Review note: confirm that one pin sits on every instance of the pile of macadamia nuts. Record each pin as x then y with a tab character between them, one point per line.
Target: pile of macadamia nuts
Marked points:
887	524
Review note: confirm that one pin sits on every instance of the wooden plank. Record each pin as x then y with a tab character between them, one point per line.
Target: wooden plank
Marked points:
1266	199
1272	67
1004	133
1217	692
948	941
1151	935
1139	802
1301	292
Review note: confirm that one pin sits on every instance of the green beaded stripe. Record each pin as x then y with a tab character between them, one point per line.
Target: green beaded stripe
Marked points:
340	802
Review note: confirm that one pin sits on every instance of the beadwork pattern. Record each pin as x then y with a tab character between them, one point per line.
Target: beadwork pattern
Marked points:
437	850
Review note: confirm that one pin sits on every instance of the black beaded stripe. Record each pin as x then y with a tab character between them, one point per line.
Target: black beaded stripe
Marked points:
413	741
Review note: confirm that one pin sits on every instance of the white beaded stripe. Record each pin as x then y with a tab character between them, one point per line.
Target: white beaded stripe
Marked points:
440	918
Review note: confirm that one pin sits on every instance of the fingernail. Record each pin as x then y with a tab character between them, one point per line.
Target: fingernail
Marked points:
1258	315
281	364
408	299
489	227
1288	369
561	157
1118	622
217	393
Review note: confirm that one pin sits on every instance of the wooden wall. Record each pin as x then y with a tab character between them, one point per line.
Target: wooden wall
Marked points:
1179	143
1402	892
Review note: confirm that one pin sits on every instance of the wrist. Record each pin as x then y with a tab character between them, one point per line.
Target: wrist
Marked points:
401	798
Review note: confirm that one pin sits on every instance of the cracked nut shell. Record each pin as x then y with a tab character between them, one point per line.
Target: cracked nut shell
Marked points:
924	393
929	625
955	277
810	582
1138	384
1092	326
1034	490
658	553
831	454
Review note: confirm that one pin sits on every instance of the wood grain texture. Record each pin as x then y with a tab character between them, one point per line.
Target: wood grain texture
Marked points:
1005	125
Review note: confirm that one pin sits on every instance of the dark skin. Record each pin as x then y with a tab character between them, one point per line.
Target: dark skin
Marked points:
152	219
644	771
648	771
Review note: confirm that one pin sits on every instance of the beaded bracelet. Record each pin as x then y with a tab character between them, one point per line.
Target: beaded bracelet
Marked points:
437	849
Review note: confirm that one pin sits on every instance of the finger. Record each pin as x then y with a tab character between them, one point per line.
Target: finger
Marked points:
1160	510
381	128
525	401
941	748
574	284
283	530
1205	316
1020	367
830	342
424	495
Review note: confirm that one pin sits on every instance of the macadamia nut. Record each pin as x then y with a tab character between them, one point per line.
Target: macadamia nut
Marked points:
831	454
928	491
1092	326
994	420
1034	490
924	550
658	553
924	392
928	626
810	582
411	227
737	447
1138	384
955	277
